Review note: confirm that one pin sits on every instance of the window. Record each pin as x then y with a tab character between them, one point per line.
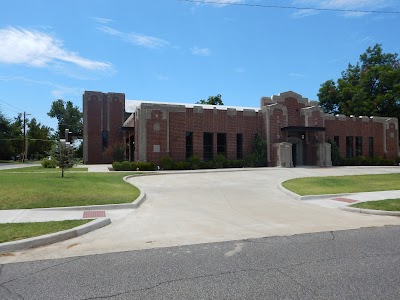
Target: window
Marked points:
359	151
208	146
221	144
336	140
349	147
239	146
104	139
189	144
371	146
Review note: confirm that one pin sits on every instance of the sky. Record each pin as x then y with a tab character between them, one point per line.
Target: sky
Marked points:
182	51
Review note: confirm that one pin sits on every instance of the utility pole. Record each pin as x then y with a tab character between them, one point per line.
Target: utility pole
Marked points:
25	149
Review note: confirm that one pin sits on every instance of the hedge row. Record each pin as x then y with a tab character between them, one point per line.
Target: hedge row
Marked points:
365	161
133	166
194	163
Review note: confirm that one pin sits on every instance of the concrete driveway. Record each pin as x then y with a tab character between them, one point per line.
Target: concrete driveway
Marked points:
197	207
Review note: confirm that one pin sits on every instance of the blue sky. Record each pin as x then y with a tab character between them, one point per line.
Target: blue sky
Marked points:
178	51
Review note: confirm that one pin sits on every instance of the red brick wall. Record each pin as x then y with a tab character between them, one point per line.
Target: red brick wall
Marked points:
357	127
102	112
207	120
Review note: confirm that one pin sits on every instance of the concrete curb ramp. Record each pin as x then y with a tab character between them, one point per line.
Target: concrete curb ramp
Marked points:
54	237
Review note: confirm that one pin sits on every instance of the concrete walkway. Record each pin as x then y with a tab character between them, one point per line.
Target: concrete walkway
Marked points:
197	207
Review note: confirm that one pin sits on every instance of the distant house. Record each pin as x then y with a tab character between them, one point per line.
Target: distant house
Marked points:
295	129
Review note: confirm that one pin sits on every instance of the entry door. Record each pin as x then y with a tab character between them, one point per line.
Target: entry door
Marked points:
294	154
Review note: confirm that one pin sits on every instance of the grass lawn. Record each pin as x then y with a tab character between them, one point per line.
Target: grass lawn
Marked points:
40	169
343	184
388	204
29	189
18	231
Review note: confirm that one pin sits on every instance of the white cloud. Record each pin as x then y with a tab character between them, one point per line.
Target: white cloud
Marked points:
102	20
355	5
135	38
221	2
201	51
38	49
162	77
296	75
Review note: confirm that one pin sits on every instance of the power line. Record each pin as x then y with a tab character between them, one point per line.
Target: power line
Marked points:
19	109
294	7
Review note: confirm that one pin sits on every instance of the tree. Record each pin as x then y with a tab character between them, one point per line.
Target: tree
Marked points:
5	137
371	87
63	153
212	100
68	117
40	139
11	138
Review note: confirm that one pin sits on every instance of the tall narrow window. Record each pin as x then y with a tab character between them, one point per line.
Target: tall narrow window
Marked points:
359	150
349	147
104	139
371	146
189	144
208	146
221	144
239	146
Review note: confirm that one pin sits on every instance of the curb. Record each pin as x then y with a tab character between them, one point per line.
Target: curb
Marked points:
371	211
345	208
54	237
311	197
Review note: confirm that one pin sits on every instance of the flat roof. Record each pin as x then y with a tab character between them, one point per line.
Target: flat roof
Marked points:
132	105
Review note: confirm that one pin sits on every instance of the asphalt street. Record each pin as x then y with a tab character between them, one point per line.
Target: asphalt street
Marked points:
353	264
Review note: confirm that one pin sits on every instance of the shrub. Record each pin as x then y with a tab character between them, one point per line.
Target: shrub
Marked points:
116	166
182	165
207	165
219	161
365	161
145	166
127	166
194	162
234	163
48	163
166	162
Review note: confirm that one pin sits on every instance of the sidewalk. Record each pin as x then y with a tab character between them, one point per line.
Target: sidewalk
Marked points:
45	215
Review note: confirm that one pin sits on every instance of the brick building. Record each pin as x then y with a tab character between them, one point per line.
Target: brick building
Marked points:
296	131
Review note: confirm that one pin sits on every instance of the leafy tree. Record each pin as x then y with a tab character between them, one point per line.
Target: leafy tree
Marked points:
40	139
371	87
5	136
68	117
212	100
63	153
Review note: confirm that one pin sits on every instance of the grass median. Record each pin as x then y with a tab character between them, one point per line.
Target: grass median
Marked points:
388	205
343	184
28	188
17	231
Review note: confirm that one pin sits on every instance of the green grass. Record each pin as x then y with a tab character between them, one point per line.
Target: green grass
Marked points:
17	231
48	189
388	204
40	169
343	184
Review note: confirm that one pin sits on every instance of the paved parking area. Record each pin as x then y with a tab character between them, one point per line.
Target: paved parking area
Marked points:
197	207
